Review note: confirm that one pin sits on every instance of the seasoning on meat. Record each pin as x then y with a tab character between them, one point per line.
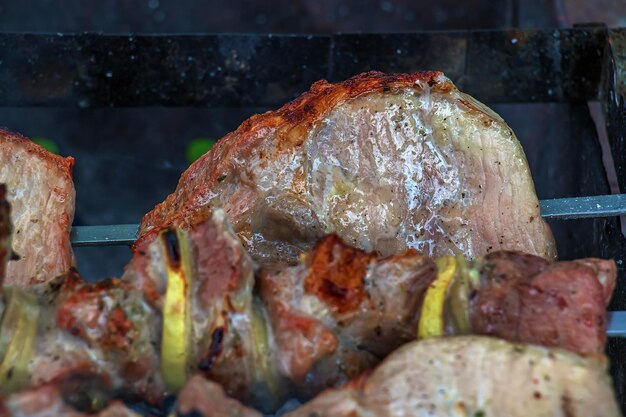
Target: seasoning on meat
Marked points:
41	193
473	376
388	162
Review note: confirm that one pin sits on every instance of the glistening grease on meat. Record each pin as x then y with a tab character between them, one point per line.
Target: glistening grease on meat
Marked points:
126	331
470	376
387	162
41	194
474	376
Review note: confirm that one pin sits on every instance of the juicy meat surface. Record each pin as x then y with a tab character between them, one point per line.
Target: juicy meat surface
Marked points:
287	331
114	328
387	162
474	376
222	309
342	310
41	194
562	304
105	329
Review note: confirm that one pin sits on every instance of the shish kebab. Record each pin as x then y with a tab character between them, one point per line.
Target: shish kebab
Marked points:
187	304
389	85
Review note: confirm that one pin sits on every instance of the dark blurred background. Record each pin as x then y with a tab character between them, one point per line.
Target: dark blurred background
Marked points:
300	16
128	159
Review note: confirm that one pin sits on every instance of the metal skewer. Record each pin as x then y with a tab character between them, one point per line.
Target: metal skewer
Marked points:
560	208
617	324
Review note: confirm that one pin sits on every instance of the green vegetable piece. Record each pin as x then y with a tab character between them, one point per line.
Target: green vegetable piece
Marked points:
198	147
47	144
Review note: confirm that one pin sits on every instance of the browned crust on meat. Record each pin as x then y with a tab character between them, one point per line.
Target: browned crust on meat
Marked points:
291	121
64	165
337	273
192	218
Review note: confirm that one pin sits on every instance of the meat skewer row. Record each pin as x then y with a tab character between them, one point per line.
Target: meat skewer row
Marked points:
187	302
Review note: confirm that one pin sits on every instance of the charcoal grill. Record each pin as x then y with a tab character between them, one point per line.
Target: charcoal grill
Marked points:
557	75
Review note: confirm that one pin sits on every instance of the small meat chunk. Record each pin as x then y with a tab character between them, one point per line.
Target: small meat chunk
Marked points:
41	194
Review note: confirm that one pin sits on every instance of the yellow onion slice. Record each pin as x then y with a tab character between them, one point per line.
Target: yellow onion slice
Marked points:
431	322
457	304
18	333
269	386
176	337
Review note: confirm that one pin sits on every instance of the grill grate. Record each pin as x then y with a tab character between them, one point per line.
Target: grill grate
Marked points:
563	69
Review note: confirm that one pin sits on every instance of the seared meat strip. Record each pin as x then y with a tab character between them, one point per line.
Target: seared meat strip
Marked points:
41	194
388	162
474	376
342	310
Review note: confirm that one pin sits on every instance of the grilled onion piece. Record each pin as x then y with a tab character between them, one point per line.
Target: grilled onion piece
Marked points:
176	337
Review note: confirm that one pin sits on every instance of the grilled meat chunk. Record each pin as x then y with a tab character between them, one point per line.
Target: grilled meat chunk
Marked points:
41	194
106	329
63	399
121	330
342	310
387	162
525	299
474	376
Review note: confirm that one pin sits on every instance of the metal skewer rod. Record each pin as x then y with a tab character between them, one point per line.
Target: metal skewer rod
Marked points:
560	208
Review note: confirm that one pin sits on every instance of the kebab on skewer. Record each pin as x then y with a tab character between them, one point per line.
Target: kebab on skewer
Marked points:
187	303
